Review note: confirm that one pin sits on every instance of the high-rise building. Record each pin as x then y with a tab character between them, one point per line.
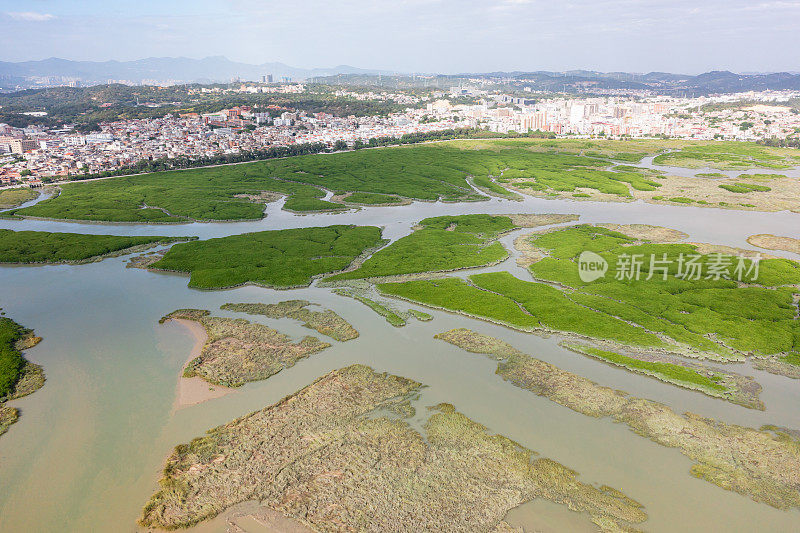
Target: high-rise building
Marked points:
576	113
20	146
540	121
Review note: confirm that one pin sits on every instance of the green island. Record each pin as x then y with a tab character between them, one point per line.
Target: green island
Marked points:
742	390
447	243
392	316
238	351
326	322
41	247
10	198
283	258
704	318
18	377
743	188
446	171
335	456
762	464
440	243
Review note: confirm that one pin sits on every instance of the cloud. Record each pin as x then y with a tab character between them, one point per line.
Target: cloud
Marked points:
30	16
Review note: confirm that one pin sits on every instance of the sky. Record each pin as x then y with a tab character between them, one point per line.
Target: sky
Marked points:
443	36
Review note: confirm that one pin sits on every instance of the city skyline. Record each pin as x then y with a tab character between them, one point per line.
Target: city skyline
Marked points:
439	36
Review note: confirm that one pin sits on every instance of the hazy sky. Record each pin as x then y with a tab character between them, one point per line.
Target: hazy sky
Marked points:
687	36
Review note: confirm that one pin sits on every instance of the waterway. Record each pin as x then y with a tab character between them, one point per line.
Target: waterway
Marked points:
88	449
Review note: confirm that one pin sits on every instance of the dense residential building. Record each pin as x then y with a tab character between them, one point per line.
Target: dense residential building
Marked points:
59	153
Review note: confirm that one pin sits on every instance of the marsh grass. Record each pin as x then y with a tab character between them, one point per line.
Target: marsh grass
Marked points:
440	244
15	197
44	247
282	258
707	318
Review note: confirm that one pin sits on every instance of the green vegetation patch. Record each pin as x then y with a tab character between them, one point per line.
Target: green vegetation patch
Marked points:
744	187
420	315
238	351
603	181
392	317
302	204
711	314
440	244
11	360
18	377
628	151
727	156
440	171
757	463
339	444
704	317
16	197
430	172
326	322
284	258
214	193
45	247
502	298
737	389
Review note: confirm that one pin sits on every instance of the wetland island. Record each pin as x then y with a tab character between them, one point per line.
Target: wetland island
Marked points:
511	334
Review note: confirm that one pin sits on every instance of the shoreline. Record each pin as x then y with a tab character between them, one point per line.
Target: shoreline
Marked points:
195	390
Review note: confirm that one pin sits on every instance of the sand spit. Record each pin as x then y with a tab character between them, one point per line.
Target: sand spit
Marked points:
774	242
194	390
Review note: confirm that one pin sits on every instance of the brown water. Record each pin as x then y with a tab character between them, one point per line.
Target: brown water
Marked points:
89	447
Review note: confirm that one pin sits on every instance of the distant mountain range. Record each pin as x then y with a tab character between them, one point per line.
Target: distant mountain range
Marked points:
582	81
172	70
157	70
720	81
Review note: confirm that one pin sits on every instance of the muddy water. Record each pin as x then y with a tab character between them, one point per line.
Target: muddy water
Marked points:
89	447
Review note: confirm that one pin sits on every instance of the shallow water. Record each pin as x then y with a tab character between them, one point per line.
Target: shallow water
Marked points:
89	446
